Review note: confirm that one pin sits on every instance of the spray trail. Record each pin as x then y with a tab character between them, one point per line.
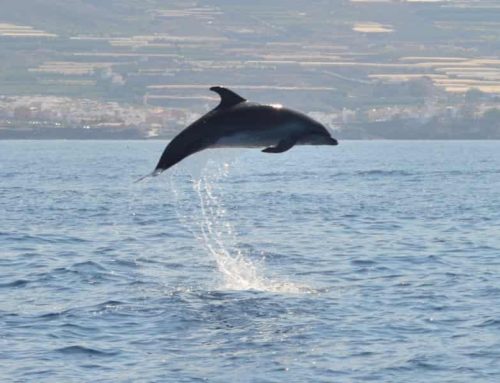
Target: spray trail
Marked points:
208	221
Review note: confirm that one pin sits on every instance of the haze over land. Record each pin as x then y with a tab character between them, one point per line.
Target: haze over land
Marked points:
133	69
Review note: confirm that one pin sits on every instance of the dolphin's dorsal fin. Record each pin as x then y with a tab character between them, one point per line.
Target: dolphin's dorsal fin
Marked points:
227	97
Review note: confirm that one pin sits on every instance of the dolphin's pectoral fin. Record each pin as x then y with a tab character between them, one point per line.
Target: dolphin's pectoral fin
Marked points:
282	146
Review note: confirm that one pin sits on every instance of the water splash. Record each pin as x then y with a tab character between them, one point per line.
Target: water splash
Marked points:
205	216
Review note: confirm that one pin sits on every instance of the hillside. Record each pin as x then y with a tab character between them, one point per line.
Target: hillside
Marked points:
354	62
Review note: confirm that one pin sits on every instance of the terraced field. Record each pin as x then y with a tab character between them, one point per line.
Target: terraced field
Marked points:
321	56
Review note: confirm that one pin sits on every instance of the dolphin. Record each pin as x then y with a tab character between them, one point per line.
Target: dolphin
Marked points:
239	123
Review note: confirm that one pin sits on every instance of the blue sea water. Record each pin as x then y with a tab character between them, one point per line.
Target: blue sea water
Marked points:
370	261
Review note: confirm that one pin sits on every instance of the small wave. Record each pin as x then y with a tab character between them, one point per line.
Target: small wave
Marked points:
405	173
81	272
109	304
16	283
363	262
386	173
41	238
88	266
84	351
475	172
53	315
423	364
100	307
490	323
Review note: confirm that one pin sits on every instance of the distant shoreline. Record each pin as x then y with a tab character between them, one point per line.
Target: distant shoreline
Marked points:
169	139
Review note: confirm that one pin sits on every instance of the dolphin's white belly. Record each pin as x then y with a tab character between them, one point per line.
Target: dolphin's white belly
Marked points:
246	138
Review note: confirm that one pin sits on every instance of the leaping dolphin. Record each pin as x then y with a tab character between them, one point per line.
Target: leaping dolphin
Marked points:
238	123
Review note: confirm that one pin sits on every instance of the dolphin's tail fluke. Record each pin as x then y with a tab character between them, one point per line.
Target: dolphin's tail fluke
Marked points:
155	173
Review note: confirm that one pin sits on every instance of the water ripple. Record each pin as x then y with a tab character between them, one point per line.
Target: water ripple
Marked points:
79	350
372	261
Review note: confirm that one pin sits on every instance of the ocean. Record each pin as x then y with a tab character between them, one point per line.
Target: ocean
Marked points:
370	261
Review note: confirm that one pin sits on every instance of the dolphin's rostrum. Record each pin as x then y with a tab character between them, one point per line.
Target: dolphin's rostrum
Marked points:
236	122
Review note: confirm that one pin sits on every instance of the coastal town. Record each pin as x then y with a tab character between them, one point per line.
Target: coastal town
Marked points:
360	70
